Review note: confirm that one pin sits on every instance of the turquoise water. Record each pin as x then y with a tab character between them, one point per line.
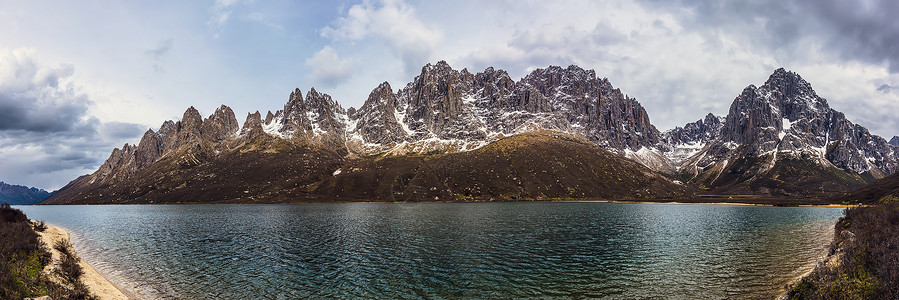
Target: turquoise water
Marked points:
447	250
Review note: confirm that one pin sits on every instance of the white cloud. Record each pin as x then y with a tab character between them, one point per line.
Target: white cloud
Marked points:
679	61
327	67
220	13
392	22
264	20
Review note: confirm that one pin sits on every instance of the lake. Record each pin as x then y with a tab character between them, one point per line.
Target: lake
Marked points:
447	250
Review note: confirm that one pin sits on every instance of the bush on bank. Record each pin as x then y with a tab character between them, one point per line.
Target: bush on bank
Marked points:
866	265
23	257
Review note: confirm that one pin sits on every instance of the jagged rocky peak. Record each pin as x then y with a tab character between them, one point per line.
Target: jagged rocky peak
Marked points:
253	123
763	116
324	108
327	117
700	132
785	118
448	110
167	128
376	120
381	98
303	118
895	141
789	84
191	120
293	117
316	119
150	147
573	80
190	132
493	84
221	124
192	128
218	126
602	112
434	97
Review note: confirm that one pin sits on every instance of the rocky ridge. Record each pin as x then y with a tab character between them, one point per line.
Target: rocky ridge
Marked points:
784	119
447	110
444	111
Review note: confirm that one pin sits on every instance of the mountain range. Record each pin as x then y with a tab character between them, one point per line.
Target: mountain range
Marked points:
453	135
21	195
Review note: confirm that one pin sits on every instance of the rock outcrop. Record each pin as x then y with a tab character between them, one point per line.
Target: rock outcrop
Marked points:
447	110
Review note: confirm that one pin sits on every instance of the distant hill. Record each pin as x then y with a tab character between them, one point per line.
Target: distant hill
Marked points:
18	194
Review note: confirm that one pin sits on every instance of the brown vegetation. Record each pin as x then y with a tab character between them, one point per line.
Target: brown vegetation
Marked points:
864	261
885	190
788	178
23	258
251	175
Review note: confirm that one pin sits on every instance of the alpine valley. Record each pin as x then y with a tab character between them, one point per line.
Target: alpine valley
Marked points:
451	135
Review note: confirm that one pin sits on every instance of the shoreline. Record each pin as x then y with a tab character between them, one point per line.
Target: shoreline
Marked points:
775	203
96	283
709	203
831	254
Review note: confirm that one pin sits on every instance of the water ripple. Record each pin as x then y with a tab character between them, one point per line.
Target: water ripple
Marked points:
455	250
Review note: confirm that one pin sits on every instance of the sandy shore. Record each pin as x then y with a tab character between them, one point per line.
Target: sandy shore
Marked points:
96	283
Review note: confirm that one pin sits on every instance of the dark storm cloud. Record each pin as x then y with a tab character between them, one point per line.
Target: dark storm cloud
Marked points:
46	135
120	130
29	113
862	31
867	31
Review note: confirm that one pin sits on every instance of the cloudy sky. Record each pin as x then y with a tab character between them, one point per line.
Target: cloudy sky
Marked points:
79	78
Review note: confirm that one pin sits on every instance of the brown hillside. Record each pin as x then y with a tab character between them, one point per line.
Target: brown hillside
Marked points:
880	191
790	177
282	175
531	166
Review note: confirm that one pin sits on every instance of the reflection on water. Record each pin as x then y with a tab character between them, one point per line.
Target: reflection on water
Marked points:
447	250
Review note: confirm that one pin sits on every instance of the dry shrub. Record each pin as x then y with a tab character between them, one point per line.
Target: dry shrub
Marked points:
869	267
